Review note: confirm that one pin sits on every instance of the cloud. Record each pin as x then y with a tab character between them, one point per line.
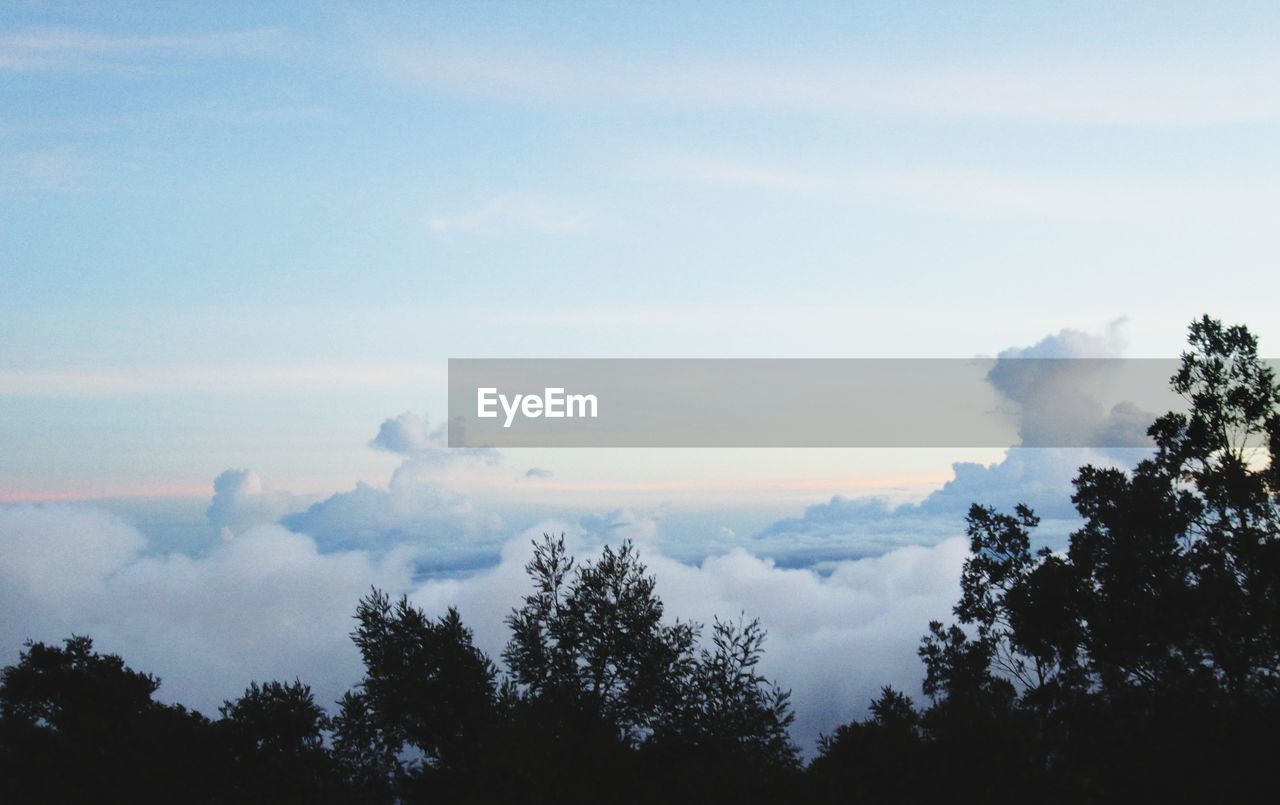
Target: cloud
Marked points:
967	193
265	605
417	506
411	435
1056	395
514	212
240	501
619	524
1051	400
270	604
538	473
46	547
446	530
725	172
845	590
50	49
1195	90
846	527
405	434
44	170
834	638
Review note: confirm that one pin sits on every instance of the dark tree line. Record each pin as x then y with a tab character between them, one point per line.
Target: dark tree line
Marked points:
1143	665
601	701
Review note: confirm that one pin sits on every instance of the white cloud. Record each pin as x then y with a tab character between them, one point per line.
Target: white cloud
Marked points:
240	502
411	435
417	506
520	212
1194	90
717	170
405	434
843	619
834	639
443	526
64	49
1052	404
974	193
1060	401
267	604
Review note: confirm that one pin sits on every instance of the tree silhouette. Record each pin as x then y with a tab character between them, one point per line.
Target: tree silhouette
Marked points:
427	705
591	639
1142	664
276	735
78	726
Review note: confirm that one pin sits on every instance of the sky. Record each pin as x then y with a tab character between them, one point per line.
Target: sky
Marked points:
239	242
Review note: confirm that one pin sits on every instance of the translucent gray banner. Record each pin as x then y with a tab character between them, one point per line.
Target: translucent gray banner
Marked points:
1032	402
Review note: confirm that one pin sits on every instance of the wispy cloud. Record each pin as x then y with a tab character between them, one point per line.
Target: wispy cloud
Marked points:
1038	90
43	170
514	211
734	173
51	49
972	192
219	380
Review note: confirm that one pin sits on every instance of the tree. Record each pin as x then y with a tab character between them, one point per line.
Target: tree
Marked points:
726	707
276	732
428	703
1143	663
1180	561
591	639
880	759
77	726
600	674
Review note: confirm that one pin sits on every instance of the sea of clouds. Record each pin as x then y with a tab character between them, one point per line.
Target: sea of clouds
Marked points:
845	588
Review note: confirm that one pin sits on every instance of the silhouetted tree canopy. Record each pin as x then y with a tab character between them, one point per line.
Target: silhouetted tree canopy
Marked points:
1140	665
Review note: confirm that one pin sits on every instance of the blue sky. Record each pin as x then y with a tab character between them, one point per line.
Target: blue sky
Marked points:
235	234
239	242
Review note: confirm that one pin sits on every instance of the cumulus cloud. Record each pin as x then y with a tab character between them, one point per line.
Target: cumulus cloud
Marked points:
1055	384
864	527
411	435
1053	403
538	472
416	507
240	501
449	531
267	604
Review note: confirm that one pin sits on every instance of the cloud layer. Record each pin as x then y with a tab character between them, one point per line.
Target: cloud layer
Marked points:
269	604
845	589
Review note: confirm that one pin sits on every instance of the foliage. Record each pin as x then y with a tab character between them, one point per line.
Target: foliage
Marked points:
1143	663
